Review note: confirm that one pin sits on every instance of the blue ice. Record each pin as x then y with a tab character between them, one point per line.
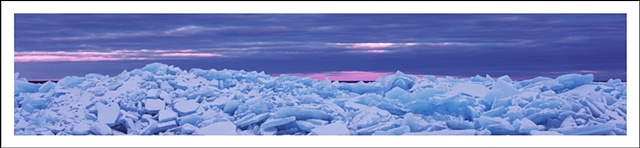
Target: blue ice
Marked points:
160	99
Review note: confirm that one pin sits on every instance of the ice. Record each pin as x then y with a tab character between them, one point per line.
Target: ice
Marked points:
370	117
163	126
459	125
81	129
153	105
166	115
190	119
601	129
22	85
101	129
336	128
248	120
446	132
186	107
159	99
395	93
188	129
471	89
277	122
395	131
219	128
301	113
570	81
108	114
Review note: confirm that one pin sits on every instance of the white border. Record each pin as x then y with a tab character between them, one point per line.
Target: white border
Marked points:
10	8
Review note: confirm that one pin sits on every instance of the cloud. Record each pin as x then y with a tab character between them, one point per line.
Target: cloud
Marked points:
116	55
180	31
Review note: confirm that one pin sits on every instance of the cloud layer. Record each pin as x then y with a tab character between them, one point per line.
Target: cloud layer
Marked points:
438	44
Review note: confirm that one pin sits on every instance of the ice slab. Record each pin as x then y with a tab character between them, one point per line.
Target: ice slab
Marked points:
108	114
471	89
219	128
186	107
153	105
335	128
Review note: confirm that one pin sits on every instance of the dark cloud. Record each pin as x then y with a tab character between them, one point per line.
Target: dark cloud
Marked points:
521	46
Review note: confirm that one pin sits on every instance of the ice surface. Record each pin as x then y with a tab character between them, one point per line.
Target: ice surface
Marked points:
153	105
336	128
186	107
219	128
108	114
159	99
471	89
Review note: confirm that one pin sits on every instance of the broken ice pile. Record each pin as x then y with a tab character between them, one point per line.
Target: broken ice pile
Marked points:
159	99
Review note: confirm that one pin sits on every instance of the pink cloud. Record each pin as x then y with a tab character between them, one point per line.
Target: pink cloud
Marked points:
377	51
370	45
190	55
345	75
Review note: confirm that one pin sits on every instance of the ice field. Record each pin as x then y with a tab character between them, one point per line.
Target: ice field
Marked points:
160	99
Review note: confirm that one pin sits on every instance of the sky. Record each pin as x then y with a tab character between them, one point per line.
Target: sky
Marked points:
337	46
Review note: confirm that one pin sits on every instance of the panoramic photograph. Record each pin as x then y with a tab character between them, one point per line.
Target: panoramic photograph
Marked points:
320	74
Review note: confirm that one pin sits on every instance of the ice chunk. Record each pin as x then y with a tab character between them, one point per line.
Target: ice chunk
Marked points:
306	125
231	106
277	121
471	89
148	130
22	85
108	114
46	87
370	117
526	126
542	116
191	119
395	93
395	131
415	123
81	129
248	120
335	128
152	93
188	128
221	101
101	129
163	126
301	113
153	105
535	132
601	129
568	122
446	132
506	88
219	128
459	125
570	81
186	107
166	115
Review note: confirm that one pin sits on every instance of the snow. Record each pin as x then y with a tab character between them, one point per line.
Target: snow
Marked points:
159	99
